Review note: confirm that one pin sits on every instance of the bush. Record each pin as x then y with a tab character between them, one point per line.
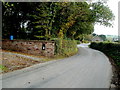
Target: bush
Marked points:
78	42
110	49
65	47
85	41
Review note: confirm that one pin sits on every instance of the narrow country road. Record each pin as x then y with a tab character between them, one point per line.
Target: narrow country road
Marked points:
87	69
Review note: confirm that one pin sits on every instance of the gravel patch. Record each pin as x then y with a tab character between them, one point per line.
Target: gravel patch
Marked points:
24	56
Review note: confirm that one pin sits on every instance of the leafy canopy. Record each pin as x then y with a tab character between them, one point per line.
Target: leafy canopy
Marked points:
46	20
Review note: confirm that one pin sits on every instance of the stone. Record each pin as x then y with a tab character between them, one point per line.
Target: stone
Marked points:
112	86
29	47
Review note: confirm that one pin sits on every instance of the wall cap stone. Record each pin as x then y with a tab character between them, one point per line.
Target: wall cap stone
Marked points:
29	40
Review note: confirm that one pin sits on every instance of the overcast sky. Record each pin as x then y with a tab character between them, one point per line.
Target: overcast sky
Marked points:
99	29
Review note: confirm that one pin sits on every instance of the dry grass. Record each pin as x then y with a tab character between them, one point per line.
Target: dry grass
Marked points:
23	53
13	62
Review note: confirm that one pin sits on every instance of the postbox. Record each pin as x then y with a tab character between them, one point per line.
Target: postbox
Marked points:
43	46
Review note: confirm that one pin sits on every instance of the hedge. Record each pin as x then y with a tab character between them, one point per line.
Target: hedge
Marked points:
65	47
110	49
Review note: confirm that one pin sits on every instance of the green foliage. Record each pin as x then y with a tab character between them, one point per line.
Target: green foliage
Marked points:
110	49
101	14
65	47
103	37
3	68
93	34
85	41
46	20
78	41
58	45
15	15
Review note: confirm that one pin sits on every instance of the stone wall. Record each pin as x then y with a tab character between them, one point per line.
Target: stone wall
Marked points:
30	47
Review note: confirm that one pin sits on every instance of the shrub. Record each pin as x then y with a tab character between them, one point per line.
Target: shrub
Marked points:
78	42
85	41
65	47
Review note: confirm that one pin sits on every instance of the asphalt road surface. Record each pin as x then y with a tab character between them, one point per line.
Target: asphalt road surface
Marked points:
87	69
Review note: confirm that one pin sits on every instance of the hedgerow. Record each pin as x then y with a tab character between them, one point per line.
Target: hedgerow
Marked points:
110	49
65	47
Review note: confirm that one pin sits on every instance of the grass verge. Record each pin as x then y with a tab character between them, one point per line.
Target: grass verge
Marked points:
12	62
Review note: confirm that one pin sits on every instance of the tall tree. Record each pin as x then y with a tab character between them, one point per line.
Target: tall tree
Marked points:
43	19
14	17
100	13
46	20
103	37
